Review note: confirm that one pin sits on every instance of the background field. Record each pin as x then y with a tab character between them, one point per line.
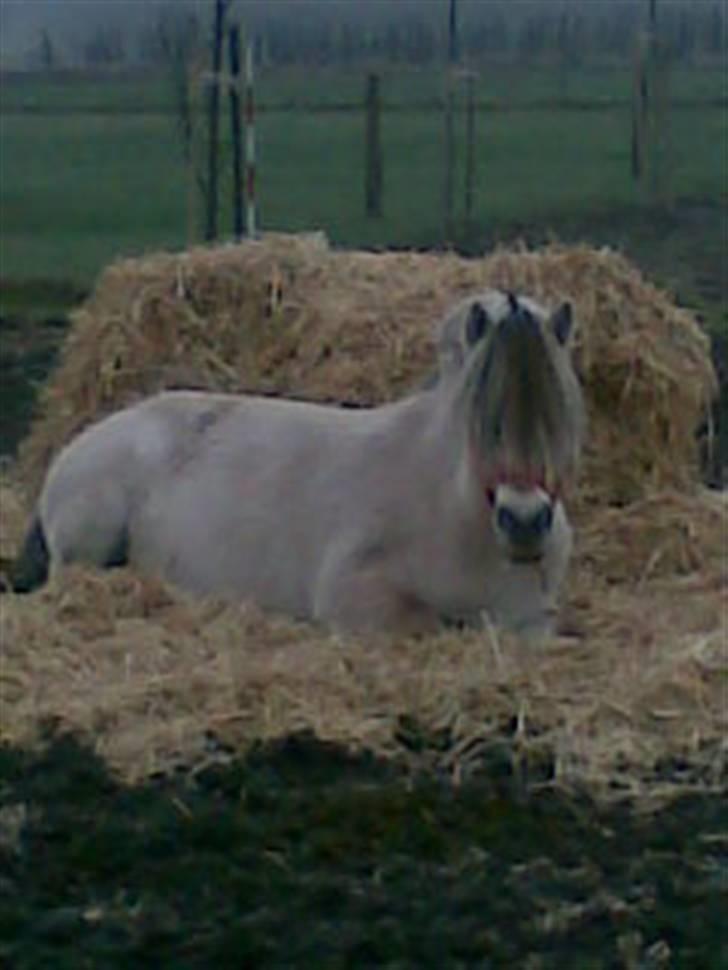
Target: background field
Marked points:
92	169
92	166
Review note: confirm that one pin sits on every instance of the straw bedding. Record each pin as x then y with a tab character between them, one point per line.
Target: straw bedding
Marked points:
633	685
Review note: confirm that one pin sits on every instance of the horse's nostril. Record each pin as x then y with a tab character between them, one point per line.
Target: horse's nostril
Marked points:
544	520
524	528
507	521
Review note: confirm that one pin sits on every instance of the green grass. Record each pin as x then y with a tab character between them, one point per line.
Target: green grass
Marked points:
78	191
37	300
91	168
506	84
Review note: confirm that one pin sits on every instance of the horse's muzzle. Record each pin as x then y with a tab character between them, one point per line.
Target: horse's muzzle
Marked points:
523	520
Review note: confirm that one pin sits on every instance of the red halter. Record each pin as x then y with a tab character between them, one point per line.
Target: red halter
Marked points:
521	480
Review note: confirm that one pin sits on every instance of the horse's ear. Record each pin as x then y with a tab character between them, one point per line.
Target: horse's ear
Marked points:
477	323
561	323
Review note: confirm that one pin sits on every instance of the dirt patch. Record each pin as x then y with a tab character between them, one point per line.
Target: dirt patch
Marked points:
28	352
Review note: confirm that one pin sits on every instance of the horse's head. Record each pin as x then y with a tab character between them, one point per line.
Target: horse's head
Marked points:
523	410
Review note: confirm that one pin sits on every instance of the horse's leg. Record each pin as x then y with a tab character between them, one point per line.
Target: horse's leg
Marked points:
366	601
30	568
89	526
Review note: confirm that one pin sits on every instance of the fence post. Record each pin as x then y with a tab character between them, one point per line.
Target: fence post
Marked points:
452	58
650	104
213	121
234	51
373	150
250	206
640	106
192	159
469	147
658	126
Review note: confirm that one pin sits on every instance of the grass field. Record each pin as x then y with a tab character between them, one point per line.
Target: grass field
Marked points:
91	169
507	84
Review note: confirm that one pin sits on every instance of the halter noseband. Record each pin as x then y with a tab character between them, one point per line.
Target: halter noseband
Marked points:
521	481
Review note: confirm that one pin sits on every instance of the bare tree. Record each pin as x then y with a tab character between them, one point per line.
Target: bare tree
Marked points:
47	52
177	41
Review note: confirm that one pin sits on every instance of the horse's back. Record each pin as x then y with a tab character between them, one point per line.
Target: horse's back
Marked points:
250	501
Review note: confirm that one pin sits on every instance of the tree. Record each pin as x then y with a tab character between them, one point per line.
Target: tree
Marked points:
47	52
104	47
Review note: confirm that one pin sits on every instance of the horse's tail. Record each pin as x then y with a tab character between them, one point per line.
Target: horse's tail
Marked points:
30	569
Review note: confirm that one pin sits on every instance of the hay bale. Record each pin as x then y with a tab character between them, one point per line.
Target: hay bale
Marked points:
288	315
664	535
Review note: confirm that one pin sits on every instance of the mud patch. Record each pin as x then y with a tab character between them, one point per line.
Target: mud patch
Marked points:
302	855
28	352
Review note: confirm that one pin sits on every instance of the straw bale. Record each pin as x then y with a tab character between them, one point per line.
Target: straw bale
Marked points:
288	315
665	534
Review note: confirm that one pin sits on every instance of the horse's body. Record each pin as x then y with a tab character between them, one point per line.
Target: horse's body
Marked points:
373	519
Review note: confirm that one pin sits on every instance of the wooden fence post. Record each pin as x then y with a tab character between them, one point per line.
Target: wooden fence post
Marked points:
373	177
192	160
234	52
640	108
650	104
213	121
469	147
449	111
251	215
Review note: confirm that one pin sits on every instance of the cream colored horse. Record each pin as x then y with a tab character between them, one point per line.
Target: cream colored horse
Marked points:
439	506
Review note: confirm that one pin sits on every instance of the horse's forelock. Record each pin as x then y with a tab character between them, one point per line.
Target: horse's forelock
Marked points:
523	402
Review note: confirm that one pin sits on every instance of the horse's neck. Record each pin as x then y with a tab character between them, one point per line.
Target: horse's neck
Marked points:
438	503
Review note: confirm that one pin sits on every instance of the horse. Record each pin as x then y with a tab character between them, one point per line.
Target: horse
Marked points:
434	508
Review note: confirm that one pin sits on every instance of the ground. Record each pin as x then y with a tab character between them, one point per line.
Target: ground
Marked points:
302	855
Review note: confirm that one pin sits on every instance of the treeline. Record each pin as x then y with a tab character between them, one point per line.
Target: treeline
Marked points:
416	32
409	32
